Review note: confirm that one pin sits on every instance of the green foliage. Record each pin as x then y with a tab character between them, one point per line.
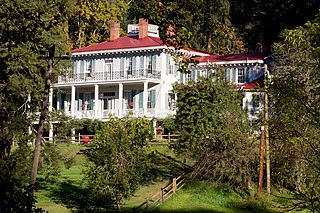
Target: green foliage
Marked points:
204	25
212	129
49	164
295	127
118	159
260	22
14	177
92	22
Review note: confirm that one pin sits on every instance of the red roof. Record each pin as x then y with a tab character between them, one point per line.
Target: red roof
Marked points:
255	84
127	42
231	57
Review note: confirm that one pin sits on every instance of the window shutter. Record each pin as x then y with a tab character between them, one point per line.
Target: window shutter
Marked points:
228	70
153	98
233	75
246	74
141	100
181	77
134	64
193	75
121	66
93	64
176	67
154	63
81	67
167	64
74	67
141	64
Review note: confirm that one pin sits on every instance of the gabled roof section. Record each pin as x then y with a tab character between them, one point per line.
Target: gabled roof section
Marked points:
232	57
255	84
122	43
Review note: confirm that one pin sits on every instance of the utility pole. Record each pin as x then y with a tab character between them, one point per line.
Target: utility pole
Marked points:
266	124
261	159
43	114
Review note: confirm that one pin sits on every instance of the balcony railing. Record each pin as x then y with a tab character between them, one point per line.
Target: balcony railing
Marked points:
109	76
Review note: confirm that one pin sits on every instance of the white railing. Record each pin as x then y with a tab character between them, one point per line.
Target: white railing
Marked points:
134	29
105	114
109	76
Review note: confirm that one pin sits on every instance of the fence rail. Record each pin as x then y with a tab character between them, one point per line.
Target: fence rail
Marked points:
162	195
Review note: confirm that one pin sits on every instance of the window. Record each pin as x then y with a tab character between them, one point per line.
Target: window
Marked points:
88	66
170	66
172	101
241	75
129	65
149	64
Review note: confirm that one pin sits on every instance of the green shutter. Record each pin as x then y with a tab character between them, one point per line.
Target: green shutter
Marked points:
153	98
81	67
91	101
181	77
176	67
193	75
141	100
233	75
121	66
93	64
154	63
134	64
141	64
167	64
246	74
74	67
228	70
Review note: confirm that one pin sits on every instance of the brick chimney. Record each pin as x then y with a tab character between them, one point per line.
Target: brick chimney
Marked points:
114	30
143	28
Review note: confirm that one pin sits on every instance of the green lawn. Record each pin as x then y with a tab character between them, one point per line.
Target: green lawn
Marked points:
68	192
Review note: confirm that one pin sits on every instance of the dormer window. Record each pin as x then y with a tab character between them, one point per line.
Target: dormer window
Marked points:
240	75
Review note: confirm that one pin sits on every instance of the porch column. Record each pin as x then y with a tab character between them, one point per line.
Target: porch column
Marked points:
51	133
145	97
96	101
73	100
120	100
58	101
50	99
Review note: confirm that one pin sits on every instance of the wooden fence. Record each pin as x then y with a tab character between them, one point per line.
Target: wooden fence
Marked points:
162	195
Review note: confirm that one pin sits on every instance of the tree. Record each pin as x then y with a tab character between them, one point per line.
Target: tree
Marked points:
28	30
295	128
91	24
260	22
212	129
198	24
118	159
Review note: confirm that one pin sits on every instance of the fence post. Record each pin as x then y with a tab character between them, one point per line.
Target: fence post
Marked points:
79	138
169	136
147	203
161	195
174	185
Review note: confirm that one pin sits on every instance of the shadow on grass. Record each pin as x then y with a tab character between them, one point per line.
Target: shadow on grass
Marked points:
74	197
164	167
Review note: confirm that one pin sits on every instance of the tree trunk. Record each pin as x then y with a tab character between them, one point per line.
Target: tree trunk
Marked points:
266	125
261	160
44	110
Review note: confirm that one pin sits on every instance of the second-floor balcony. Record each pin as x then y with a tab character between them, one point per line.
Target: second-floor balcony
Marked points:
108	76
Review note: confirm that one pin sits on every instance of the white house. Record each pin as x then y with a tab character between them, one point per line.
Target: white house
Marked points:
135	74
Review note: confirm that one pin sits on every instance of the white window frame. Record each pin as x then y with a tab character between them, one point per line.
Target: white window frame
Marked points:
240	75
